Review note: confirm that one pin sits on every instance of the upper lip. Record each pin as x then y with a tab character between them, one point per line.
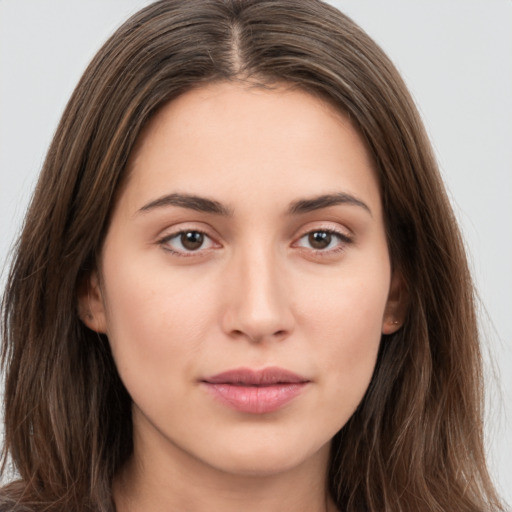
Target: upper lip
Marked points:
249	377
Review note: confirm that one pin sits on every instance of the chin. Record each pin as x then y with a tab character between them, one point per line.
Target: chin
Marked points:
269	459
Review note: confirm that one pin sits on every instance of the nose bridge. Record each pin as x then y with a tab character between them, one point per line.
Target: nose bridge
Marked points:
259	302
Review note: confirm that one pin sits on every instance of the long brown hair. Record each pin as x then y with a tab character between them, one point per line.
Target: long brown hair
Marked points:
415	442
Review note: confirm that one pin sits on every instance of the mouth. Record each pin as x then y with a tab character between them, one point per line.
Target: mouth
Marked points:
256	391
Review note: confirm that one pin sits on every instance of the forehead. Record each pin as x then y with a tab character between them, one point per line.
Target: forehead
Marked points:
226	137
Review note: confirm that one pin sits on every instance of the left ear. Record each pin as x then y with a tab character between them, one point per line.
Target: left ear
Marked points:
91	306
396	306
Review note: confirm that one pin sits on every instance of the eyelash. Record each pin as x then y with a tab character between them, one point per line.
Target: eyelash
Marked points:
342	241
164	242
342	238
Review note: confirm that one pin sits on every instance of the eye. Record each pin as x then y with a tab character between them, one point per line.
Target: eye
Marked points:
323	240
186	242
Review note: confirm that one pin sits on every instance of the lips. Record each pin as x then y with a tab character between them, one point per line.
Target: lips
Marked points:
256	391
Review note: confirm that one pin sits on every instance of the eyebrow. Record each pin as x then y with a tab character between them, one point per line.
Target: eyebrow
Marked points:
324	201
203	204
200	204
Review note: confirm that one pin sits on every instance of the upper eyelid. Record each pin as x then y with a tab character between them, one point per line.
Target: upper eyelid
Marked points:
175	234
330	226
164	243
344	238
184	227
334	231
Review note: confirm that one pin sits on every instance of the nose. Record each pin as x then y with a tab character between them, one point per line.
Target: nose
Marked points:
258	298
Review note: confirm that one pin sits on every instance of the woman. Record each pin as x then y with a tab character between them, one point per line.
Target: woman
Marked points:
240	284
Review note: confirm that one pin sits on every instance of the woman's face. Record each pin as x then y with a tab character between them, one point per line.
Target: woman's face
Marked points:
245	279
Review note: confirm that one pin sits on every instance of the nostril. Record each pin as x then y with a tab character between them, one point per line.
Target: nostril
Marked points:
237	333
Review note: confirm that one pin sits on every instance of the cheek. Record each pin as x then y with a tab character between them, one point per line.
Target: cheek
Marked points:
343	319
350	338
349	305
155	322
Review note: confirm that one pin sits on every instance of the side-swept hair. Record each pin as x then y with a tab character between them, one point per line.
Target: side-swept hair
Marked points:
415	442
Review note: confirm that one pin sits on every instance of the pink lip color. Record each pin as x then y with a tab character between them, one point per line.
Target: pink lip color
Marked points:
256	391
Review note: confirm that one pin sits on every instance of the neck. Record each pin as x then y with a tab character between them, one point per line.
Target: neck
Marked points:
171	480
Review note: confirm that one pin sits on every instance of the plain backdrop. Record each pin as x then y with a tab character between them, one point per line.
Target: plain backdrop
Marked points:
456	57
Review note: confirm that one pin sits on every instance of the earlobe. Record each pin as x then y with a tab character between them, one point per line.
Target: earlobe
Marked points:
91	308
396	306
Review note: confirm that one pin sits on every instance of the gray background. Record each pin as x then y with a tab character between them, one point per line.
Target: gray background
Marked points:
455	55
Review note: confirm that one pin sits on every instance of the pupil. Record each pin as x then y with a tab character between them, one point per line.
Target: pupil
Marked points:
320	239
192	240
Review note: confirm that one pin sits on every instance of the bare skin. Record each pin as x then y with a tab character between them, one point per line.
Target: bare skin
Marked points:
249	235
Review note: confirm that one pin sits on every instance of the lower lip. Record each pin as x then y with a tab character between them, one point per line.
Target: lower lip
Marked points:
256	399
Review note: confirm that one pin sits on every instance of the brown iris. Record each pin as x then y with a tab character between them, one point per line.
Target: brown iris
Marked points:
319	239
192	240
